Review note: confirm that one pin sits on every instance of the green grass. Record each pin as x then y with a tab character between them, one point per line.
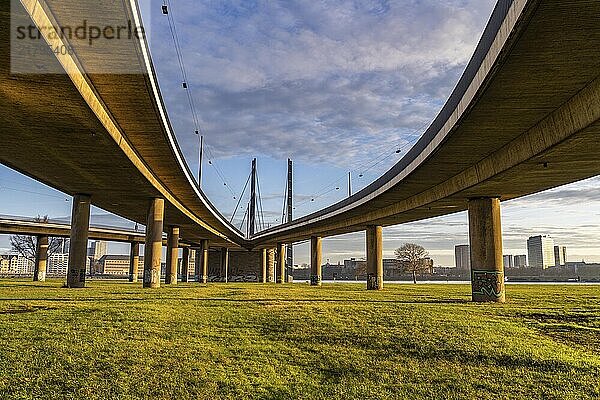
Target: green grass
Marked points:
238	341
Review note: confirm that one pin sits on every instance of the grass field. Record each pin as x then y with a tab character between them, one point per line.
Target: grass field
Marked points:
238	341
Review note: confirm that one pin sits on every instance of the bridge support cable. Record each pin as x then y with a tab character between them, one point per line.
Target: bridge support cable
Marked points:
389	151
184	79
244	220
213	162
240	198
168	12
261	211
200	160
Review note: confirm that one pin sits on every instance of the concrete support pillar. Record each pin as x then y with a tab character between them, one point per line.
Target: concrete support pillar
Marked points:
41	259
485	236
224	263
315	261
172	255
264	260
185	262
134	261
80	225
153	246
281	262
374	258
270	265
204	262
198	264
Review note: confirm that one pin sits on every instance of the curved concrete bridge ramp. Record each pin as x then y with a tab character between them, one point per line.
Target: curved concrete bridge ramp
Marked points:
101	128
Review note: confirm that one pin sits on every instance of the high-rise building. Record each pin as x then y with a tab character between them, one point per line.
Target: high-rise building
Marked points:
540	250
560	255
97	250
462	257
520	261
508	261
58	264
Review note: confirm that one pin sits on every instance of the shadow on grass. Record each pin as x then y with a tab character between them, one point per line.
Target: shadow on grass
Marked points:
228	300
30	285
25	309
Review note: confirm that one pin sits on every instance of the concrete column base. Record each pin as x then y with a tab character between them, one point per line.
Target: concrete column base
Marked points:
315	280
40	276
374	282
315	261
374	237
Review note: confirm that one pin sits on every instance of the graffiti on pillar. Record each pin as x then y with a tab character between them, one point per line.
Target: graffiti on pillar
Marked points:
315	280
151	276
76	275
488	283
373	283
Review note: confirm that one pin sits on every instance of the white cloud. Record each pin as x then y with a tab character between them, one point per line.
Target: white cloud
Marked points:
304	77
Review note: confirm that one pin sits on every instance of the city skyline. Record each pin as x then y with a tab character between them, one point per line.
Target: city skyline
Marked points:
440	235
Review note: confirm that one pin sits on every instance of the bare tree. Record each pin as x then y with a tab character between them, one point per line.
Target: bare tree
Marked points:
412	258
25	245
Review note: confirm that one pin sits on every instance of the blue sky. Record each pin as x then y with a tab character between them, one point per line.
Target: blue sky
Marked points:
337	86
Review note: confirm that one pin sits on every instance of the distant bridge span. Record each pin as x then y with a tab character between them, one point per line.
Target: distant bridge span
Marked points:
523	118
